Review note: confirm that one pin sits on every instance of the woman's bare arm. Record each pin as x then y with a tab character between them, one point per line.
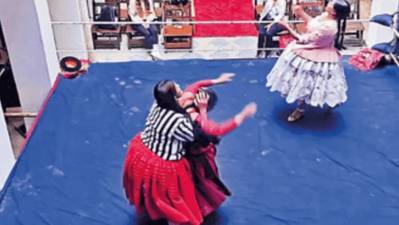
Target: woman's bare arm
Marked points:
300	12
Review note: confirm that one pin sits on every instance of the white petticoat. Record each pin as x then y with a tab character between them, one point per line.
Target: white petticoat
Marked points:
317	83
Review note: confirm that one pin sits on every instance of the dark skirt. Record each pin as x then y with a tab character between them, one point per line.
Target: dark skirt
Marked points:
210	191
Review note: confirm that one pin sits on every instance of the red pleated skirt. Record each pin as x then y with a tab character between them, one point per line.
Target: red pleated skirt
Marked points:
162	188
210	191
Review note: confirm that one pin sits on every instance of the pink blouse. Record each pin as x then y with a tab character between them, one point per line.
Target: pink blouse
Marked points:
318	43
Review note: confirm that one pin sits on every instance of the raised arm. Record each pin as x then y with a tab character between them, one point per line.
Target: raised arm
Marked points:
300	12
220	129
188	95
223	78
213	128
193	88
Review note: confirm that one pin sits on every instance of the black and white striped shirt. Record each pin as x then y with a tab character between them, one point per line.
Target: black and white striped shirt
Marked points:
166	131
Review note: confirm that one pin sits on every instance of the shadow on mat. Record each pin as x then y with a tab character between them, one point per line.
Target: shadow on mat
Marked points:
216	218
315	119
145	220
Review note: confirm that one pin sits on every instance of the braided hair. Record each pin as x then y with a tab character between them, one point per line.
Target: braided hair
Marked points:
342	10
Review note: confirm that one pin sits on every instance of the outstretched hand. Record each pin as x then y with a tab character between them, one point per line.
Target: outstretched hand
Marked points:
248	111
224	77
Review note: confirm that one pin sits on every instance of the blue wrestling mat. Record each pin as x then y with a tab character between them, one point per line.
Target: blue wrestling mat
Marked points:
327	169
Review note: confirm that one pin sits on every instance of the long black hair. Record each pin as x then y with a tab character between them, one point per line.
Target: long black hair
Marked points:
213	98
342	10
165	95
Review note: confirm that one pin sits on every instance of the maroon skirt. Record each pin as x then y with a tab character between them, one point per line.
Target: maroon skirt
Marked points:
162	188
210	191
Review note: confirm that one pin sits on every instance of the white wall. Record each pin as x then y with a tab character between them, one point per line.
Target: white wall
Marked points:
6	154
47	36
378	33
30	43
71	36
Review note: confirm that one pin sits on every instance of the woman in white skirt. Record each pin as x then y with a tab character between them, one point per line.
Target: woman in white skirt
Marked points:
309	71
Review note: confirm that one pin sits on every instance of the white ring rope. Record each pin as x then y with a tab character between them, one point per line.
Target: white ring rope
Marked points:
162	50
186	22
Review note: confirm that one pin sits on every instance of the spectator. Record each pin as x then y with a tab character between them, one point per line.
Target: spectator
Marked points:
273	12
149	31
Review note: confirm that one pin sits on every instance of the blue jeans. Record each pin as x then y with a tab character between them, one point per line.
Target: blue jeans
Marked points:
268	35
150	34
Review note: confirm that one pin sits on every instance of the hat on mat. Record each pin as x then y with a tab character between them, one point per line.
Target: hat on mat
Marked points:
70	64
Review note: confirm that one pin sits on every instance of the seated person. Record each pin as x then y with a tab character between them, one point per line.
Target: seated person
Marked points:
138	13
108	13
273	12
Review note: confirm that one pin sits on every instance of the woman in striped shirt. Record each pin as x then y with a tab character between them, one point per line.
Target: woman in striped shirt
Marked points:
157	179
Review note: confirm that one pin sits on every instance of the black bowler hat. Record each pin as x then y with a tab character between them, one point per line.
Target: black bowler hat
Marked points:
70	64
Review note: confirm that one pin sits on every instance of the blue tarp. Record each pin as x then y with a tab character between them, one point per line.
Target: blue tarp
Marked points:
330	169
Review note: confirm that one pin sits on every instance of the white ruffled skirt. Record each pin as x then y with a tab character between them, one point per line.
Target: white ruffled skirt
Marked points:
317	83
